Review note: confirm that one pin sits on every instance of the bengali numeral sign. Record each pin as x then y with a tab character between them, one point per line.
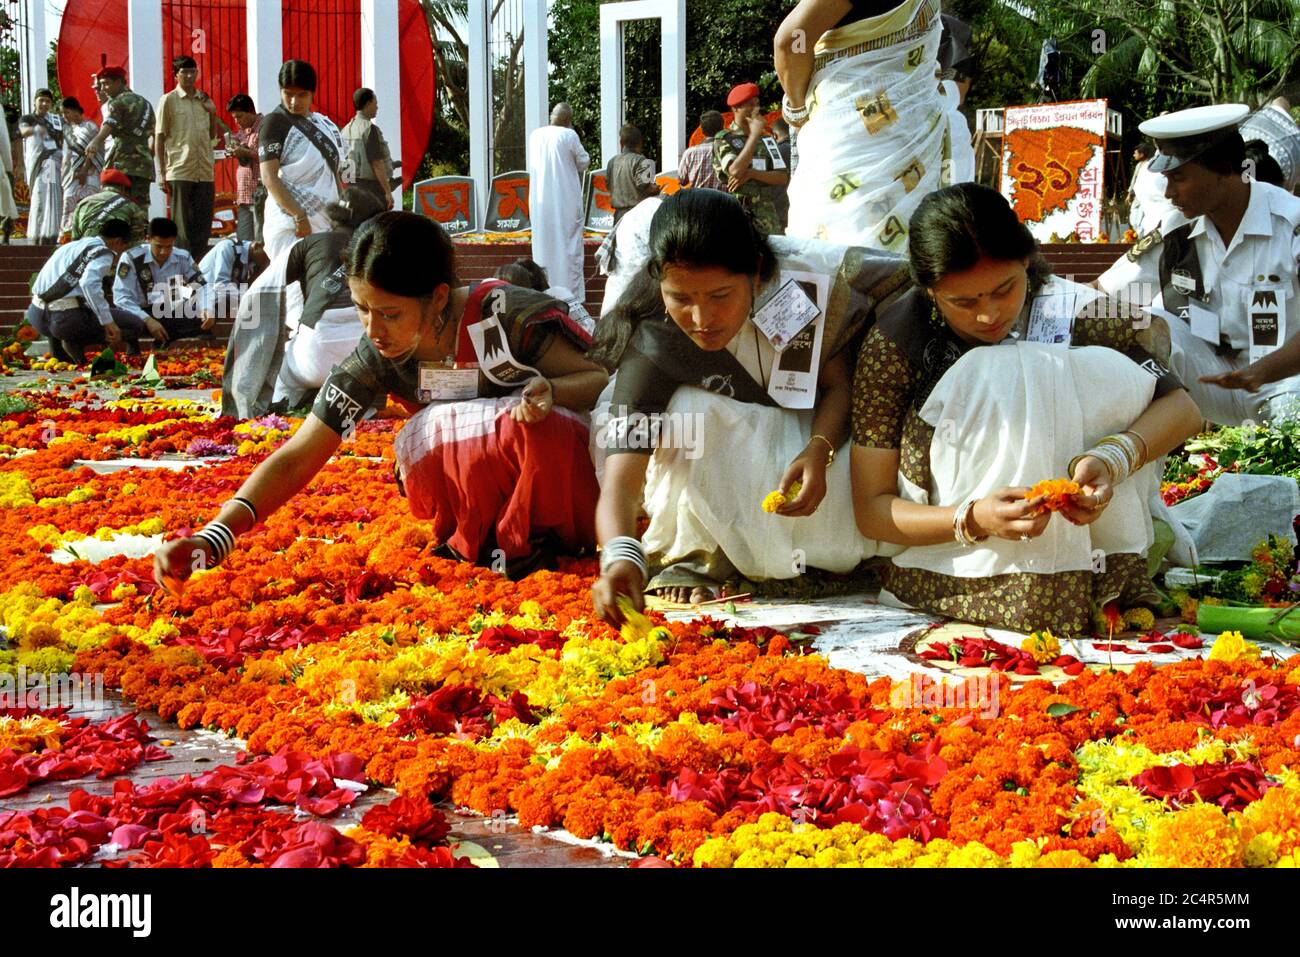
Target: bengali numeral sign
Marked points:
1053	165
507	210
449	201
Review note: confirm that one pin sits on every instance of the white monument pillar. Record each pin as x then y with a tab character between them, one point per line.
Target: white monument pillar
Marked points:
480	144
265	53
145	59
537	67
381	71
671	15
33	52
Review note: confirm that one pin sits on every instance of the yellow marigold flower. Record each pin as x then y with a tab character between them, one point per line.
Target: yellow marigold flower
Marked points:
1231	646
15	490
774	500
1196	836
124	590
1140	619
1043	646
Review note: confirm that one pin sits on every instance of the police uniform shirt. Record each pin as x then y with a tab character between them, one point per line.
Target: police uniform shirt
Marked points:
77	269
130	294
1256	271
226	264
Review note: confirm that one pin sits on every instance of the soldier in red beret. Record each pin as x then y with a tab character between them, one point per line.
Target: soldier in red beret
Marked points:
748	160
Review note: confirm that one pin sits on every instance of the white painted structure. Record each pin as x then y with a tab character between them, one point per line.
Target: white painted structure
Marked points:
33	51
671	15
144	25
266	55
381	71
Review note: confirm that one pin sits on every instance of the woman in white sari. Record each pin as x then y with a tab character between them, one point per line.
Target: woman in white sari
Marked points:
732	357
969	391
80	177
873	135
300	153
42	133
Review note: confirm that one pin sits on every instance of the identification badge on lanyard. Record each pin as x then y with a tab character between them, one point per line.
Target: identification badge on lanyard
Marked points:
439	384
795	373
1267	311
785	314
487	343
1051	318
1183	281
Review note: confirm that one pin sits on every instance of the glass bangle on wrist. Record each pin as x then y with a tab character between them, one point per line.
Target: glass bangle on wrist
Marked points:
794	115
624	548
831	455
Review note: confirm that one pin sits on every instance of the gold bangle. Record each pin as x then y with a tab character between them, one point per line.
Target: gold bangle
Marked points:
831	457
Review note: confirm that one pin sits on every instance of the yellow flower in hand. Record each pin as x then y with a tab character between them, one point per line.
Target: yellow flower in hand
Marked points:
774	500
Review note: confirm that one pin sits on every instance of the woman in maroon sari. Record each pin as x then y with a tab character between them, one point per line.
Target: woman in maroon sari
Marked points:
497	457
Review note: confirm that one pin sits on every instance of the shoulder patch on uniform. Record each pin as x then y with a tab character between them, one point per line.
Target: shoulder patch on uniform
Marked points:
124	269
1151	239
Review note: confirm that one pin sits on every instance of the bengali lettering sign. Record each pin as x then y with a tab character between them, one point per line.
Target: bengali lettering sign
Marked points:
449	201
600	211
1053	166
507	210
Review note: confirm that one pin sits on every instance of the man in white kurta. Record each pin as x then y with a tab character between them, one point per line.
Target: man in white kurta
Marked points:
556	162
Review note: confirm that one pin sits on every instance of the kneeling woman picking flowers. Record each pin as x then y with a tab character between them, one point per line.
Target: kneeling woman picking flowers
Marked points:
497	457
970	403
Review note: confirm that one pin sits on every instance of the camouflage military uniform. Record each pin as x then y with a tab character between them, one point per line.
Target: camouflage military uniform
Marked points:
109	203
754	196
132	119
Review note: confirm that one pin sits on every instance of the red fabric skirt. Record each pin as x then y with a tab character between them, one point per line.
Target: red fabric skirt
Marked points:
481	476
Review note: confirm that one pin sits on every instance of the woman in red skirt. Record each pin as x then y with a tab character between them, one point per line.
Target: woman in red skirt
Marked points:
497	455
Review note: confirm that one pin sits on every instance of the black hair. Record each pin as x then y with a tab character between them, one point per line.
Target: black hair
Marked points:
353	208
694	227
630	136
1266	169
298	74
404	254
241	102
955	226
1145	149
779	125
707	227
72	103
42	92
711	122
524	272
162	228
183	62
362	97
1226	157
114	229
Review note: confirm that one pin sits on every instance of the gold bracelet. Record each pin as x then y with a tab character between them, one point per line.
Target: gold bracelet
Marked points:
831	457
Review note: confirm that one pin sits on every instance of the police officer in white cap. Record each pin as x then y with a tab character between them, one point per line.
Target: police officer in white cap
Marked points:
1221	269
